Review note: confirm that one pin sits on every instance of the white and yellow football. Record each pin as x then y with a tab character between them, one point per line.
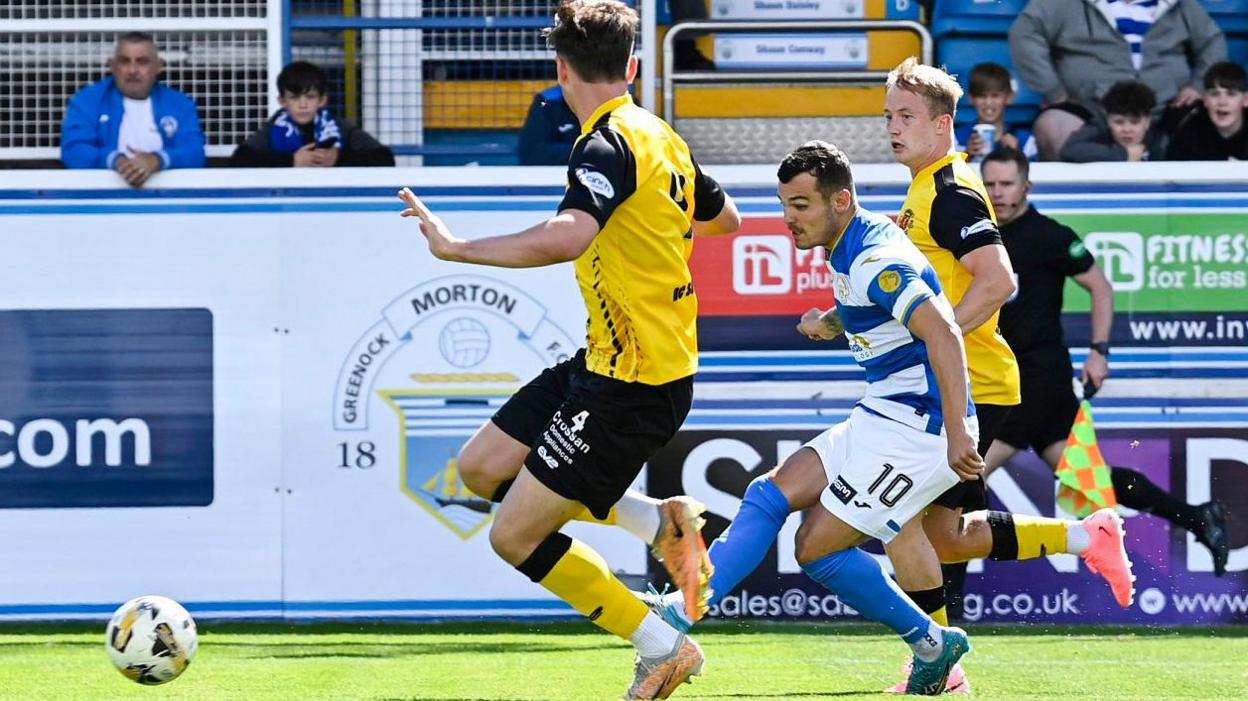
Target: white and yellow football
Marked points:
151	639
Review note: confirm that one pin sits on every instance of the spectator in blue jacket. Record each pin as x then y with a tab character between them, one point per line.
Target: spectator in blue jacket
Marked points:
129	122
549	130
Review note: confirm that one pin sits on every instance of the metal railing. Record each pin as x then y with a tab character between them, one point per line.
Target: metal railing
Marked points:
671	76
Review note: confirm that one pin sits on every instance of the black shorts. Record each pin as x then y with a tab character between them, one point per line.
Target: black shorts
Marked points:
972	495
1048	410
589	435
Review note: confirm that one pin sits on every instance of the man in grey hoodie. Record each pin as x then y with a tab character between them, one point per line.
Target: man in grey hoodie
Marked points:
1072	51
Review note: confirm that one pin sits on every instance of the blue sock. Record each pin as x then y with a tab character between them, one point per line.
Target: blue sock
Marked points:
738	550
858	580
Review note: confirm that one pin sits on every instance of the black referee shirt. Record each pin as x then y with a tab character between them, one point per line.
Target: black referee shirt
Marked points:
1044	253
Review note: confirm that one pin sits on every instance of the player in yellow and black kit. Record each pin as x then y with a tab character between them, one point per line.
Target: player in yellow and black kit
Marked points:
576	436
948	215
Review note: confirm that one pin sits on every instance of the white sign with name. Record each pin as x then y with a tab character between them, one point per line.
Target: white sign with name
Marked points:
829	51
788	9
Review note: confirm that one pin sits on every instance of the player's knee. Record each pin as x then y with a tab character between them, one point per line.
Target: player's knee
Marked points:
805	546
759	486
951	545
945	541
800	479
946	550
507	545
475	470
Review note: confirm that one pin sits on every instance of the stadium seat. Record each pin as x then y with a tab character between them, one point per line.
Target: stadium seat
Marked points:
1237	49
959	54
1231	15
992	17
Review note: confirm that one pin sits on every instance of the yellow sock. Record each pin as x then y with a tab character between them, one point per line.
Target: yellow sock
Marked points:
581	578
1038	536
940	616
587	517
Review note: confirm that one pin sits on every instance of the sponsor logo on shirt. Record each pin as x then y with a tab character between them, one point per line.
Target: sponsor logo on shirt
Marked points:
841	490
596	182
889	281
977	227
1077	249
905	220
860	348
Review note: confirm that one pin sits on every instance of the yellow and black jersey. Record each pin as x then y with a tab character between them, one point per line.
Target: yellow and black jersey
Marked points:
635	175
947	214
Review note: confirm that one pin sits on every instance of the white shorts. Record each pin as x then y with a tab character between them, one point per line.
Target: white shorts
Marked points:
881	473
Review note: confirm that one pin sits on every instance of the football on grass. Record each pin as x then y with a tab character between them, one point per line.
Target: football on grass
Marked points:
151	639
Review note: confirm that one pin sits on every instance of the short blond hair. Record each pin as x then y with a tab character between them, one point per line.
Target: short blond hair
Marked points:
938	89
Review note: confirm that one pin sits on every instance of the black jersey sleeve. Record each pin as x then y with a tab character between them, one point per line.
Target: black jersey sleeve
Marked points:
708	196
960	220
602	173
1072	256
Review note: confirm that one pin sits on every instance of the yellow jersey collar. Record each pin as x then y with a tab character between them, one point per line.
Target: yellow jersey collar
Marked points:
604	108
938	165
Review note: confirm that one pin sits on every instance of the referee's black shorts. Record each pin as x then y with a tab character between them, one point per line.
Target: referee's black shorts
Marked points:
1048	410
972	495
589	435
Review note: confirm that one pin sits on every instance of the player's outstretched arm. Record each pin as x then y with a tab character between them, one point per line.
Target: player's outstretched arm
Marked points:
934	324
992	285
561	238
726	222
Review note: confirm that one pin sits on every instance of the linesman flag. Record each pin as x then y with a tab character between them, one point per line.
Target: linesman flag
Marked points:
1084	476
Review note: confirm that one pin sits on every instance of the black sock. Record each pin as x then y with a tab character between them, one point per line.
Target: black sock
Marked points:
955	584
1136	491
930	600
1004	537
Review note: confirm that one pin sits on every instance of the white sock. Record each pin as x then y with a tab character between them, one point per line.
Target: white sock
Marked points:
638	514
929	647
1077	538
654	637
676	601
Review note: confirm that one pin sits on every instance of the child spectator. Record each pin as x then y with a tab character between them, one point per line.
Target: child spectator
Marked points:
306	134
992	90
1127	133
1214	131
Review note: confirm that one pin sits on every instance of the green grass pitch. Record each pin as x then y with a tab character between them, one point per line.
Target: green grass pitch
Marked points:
572	661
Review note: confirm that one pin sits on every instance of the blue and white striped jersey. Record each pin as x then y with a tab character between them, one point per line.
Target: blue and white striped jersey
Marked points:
880	278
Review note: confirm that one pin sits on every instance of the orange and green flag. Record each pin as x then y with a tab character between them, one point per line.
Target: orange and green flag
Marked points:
1084	477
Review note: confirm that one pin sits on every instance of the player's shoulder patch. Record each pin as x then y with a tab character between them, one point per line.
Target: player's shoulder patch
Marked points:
977	227
889	281
1077	249
596	182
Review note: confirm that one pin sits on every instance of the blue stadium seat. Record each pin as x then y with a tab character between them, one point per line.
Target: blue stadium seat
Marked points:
960	54
1237	49
1231	15
976	16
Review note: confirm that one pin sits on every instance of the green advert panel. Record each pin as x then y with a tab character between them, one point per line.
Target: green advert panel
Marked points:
1174	262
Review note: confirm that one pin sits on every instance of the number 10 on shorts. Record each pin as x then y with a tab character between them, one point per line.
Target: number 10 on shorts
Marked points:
893	490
